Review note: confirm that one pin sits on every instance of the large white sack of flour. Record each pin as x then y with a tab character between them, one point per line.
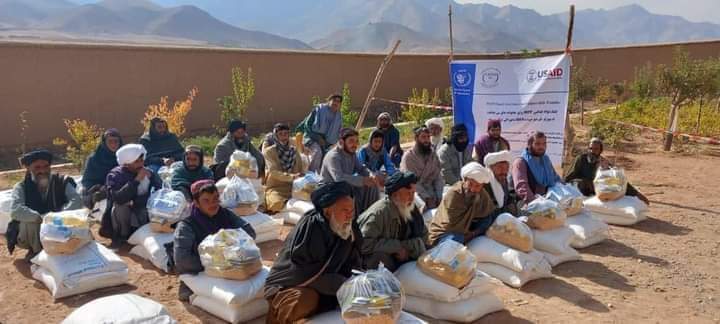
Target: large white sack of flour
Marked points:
5	204
555	241
80	285
334	317
517	279
266	228
588	230
463	311
295	209
624	211
486	249
121	309
416	283
93	258
231	313
229	292
150	246
567	256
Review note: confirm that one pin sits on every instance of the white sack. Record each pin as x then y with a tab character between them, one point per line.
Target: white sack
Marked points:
624	211
465	311
516	279
81	285
121	309
225	291
555	241
588	230
488	250
567	256
5	204
93	258
416	283
231	313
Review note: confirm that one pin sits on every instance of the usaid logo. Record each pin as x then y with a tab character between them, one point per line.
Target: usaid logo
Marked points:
490	77
462	78
535	75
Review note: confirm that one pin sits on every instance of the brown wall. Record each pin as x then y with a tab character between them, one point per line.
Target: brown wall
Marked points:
112	85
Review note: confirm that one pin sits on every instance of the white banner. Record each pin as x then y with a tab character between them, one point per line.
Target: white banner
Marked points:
527	95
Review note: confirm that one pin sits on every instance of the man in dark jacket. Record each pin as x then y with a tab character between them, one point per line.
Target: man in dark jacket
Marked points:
97	167
189	170
163	148
236	139
129	185
316	259
206	218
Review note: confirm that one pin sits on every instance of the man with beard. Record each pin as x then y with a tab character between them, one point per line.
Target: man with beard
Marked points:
284	165
393	229
97	167
391	137
189	170
39	193
491	142
341	164
436	126
465	211
321	129
129	185
316	259
374	156
424	163
533	172
163	148
498	188
236	139
454	154
585	168
207	217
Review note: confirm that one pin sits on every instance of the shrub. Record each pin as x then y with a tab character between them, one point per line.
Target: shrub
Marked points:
84	138
174	116
207	143
235	106
419	114
349	116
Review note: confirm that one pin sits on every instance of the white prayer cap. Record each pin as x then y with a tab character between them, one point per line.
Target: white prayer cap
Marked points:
435	121
129	153
497	157
475	171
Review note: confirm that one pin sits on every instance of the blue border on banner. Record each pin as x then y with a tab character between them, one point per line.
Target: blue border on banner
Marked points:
462	78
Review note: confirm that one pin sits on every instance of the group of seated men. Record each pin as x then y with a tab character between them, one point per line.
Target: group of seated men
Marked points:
352	225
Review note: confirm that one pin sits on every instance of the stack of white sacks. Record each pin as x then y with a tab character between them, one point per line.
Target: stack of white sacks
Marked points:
150	246
300	202
120	309
5	205
243	165
588	230
610	203
231	287
507	253
445	284
551	235
240	196
72	263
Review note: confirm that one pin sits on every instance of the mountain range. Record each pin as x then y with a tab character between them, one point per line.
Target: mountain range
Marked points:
340	25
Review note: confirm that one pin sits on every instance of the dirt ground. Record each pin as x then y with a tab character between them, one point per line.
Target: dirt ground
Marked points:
663	270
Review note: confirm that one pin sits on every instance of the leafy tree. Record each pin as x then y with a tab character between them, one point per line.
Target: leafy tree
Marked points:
84	138
349	116
175	116
235	106
643	85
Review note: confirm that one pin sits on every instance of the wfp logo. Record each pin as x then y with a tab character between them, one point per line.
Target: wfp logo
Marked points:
535	75
462	78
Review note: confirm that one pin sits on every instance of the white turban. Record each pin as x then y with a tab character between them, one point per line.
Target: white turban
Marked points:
129	153
497	157
435	121
476	171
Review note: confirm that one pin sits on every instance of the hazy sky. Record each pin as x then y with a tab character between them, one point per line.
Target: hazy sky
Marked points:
693	10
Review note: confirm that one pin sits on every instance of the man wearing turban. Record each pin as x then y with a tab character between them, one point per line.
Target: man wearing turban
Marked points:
393	229
498	188
316	259
39	193
465	209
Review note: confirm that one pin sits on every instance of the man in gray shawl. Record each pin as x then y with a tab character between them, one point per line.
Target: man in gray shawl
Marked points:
341	164
424	163
236	139
321	129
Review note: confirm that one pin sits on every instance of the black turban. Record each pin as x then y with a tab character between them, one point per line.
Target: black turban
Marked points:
327	194
235	125
398	181
33	156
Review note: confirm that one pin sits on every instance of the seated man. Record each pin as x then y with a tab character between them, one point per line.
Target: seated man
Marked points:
341	164
207	217
491	142
436	126
321	129
236	139
284	165
163	148
585	168
318	256
454	154
498	188
533	172
39	193
391	138
97	167
424	163
374	156
393	229
129	185
464	213
189	170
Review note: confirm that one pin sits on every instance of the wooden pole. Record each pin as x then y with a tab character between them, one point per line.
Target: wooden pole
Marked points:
571	24
375	84
569	132
452	43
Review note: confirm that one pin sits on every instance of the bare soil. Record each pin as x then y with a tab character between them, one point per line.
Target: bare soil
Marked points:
662	270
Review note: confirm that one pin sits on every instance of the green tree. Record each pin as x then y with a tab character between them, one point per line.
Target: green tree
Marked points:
582	88
235	106
349	116
643	85
415	112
